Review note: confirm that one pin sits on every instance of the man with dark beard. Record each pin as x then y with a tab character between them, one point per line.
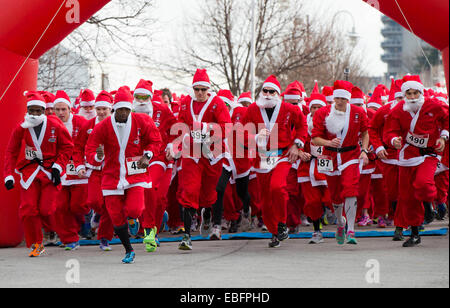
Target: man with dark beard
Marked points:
419	129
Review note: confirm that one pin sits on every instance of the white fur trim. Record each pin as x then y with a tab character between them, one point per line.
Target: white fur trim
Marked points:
10	178
103	104
50	105
202	83
317	102
143	91
273	86
245	99
330	98
340	93
445	133
412	85
399	95
37	103
57	167
380	149
119	105
292	97
63	100
374	105
87	104
357	101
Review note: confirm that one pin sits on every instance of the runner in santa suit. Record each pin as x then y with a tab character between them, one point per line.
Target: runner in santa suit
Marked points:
202	123
48	147
328	93
125	142
95	200
387	154
365	179
339	128
160	170
314	184
87	102
49	102
442	177
278	148
71	205
418	128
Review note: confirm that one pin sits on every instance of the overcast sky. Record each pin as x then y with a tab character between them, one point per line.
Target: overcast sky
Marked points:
172	13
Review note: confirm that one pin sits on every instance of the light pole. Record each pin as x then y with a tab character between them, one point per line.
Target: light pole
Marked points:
353	35
253	50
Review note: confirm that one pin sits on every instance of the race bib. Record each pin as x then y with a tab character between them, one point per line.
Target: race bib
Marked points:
316	151
132	166
200	137
70	168
268	162
420	141
325	164
30	153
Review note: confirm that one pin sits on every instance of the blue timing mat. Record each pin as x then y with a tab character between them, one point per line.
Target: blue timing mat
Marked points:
259	236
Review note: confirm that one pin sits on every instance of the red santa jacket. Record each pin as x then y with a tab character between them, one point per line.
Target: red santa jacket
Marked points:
422	129
79	156
53	148
356	123
120	171
212	114
71	175
287	126
376	131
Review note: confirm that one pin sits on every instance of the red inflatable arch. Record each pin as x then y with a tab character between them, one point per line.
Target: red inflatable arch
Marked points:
24	22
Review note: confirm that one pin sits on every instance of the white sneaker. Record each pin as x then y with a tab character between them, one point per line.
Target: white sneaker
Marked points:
305	221
246	221
205	226
264	229
317	238
194	226
216	233
254	224
225	225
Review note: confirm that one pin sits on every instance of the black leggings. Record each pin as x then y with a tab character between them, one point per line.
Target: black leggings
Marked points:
242	191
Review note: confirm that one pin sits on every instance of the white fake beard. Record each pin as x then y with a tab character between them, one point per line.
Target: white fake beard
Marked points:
88	115
335	122
146	108
414	105
33	121
268	102
309	120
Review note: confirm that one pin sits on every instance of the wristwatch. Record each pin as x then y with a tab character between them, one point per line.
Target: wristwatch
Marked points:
365	151
148	156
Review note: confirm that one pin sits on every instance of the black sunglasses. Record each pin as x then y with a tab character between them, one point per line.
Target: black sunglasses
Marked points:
269	91
198	90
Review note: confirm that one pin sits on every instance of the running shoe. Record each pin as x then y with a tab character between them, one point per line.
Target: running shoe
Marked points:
104	245
264	228
365	221
133	226
50	239
317	238
129	258
36	250
398	235
95	221
149	240
382	223
186	243
246	221
225	225
205	225
177	231
351	238
429	213
283	233
255	222
413	241
274	242
441	211
72	246
164	226
340	235
305	221
216	233
234	226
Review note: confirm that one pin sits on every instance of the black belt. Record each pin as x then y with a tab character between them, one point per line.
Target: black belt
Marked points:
341	150
428	151
38	162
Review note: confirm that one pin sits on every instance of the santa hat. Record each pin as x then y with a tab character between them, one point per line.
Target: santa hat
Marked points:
293	91
123	98
201	78
227	97
87	98
49	98
144	87
317	99
357	96
342	89
328	93
376	100
272	82
157	97
245	97
316	87
34	98
412	82
104	99
62	97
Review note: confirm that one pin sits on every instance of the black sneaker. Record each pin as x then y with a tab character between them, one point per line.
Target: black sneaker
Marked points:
412	241
274	242
441	211
283	232
234	227
398	235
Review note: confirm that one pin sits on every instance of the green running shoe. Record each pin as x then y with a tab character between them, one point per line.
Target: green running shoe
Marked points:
149	241
340	235
351	239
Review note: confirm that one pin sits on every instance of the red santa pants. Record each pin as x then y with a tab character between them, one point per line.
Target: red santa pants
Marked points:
37	204
96	202
442	187
380	197
315	199
130	205
416	186
255	196
70	211
275	196
199	183
295	201
173	207
364	200
344	186
232	204
390	177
